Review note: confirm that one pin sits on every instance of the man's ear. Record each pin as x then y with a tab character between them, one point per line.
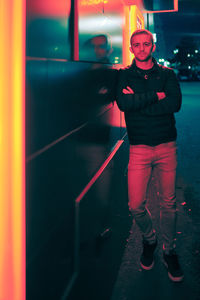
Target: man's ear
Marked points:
153	48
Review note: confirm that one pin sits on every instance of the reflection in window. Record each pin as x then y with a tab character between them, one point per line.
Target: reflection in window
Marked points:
97	48
100	31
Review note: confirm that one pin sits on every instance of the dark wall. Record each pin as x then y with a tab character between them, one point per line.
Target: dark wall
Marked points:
62	96
64	101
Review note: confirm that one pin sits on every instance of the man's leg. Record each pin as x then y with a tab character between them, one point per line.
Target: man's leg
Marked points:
166	174
139	173
166	165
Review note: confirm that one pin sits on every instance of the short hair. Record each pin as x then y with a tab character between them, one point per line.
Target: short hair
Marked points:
107	40
141	31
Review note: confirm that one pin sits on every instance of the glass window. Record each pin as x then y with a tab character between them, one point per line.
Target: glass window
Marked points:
100	30
47	29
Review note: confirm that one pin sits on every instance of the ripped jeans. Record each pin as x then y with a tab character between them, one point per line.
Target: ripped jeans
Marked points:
142	160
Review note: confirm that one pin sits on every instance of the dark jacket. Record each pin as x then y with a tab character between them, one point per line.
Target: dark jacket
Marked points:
149	121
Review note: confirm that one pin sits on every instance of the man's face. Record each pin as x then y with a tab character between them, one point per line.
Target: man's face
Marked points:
142	47
100	47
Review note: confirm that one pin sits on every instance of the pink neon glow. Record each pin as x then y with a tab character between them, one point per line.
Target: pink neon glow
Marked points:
49	8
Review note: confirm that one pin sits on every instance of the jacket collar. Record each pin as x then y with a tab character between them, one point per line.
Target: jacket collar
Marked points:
135	68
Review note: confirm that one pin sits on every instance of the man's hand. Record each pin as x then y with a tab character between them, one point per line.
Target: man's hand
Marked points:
128	90
161	95
103	90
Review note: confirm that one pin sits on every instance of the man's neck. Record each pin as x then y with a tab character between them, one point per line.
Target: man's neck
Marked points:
145	65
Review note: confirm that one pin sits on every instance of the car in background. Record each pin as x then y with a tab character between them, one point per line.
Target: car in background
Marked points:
197	76
185	75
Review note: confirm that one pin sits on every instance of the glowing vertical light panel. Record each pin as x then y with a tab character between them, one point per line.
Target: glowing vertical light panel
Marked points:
12	149
133	19
126	36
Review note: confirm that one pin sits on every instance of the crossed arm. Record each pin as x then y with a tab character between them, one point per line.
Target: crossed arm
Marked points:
152	102
128	90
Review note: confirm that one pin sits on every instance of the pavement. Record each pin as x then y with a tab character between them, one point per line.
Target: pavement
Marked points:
132	282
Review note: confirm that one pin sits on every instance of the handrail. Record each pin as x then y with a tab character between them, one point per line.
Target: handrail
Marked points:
82	194
47	147
77	223
101	169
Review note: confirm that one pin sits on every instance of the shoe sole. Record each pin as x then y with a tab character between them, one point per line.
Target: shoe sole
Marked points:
147	268
174	279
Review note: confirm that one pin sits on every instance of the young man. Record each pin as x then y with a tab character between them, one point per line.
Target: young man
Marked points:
149	94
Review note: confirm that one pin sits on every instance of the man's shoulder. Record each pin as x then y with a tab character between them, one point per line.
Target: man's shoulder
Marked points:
165	69
167	72
125	68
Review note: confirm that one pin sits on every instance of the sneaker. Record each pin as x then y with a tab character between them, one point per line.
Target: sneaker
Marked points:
174	270
147	258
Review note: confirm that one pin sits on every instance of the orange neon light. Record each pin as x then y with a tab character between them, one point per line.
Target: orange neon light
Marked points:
164	11
126	35
92	2
12	149
133	19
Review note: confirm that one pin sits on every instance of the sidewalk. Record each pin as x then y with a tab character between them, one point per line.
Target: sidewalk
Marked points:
133	283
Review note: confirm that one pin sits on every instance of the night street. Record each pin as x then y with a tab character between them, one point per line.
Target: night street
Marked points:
135	283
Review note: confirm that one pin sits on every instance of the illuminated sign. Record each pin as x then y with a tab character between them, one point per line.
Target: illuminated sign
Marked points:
139	23
93	2
133	20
